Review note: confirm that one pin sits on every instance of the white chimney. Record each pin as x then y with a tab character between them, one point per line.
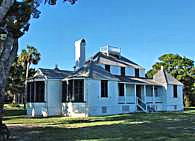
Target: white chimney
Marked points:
80	53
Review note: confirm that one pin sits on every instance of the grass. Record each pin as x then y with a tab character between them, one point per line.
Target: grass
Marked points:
133	127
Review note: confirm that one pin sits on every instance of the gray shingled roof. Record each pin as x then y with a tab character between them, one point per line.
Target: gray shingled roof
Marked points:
164	77
102	58
131	79
54	73
94	71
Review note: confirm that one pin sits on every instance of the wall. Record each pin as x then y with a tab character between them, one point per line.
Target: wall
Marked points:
37	109
74	109
129	71
54	97
115	70
105	106
174	104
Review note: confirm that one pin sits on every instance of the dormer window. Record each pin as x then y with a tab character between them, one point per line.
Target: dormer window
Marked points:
122	71
136	72
107	68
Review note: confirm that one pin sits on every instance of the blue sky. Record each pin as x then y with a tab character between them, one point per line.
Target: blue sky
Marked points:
143	29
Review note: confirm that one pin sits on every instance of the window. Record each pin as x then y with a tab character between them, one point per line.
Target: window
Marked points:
75	91
121	89
104	88
78	90
122	71
70	90
64	91
40	91
32	89
136	72
175	91
107	68
35	91
28	92
156	92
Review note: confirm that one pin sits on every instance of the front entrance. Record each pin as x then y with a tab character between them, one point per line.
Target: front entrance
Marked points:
138	91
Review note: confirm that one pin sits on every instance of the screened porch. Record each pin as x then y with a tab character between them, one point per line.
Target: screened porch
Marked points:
73	90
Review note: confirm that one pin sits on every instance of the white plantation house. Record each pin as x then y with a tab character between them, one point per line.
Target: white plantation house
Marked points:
105	84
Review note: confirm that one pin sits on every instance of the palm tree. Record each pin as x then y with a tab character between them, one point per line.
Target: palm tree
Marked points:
26	59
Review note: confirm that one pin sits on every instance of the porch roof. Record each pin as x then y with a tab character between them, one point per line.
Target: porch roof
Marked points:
43	73
94	71
144	81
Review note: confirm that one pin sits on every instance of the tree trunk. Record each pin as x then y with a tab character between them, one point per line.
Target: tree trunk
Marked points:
25	84
7	56
5	6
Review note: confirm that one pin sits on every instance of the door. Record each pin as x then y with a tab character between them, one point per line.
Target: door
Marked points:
138	91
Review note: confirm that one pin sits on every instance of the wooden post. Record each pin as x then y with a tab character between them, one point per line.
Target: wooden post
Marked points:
144	93
125	92
135	94
153	95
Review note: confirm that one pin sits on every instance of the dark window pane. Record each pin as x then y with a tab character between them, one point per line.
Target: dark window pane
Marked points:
122	71
136	72
76	90
104	88
64	91
28	91
121	89
175	91
107	68
70	90
40	91
32	89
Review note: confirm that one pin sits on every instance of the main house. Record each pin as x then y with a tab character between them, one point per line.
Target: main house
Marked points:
105	84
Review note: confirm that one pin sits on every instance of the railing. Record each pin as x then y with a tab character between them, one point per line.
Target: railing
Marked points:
141	104
110	49
121	99
153	99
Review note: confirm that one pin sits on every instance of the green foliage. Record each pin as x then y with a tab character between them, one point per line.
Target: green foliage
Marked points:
181	68
17	76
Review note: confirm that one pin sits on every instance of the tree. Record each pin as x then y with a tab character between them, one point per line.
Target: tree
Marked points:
26	58
14	22
15	81
179	67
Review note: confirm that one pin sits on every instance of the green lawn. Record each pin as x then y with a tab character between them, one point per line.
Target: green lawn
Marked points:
132	127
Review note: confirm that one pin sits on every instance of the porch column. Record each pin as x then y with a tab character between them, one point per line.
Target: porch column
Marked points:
135	94
145	93
153	95
67	94
125	93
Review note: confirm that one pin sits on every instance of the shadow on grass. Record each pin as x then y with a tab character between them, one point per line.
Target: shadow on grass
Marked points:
164	130
14	112
138	126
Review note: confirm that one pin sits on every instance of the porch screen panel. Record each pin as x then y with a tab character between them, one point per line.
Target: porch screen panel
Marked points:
40	91
64	92
81	90
78	90
28	91
32	91
70	90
